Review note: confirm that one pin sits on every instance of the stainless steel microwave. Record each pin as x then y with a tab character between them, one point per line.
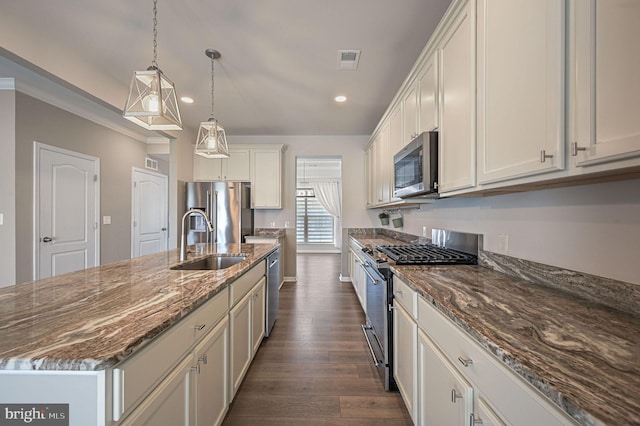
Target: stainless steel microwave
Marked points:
415	167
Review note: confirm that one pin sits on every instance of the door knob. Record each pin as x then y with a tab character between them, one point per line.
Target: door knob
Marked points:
47	239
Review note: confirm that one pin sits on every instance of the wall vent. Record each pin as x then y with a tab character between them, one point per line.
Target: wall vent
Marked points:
150	163
348	59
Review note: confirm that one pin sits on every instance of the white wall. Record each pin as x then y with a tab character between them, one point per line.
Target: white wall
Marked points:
7	183
591	228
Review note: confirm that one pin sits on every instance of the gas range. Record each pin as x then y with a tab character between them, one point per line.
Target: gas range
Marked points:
426	254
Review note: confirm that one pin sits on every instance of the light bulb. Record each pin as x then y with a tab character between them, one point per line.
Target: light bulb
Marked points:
151	102
212	141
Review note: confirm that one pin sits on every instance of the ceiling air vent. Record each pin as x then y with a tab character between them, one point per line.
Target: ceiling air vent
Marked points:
348	59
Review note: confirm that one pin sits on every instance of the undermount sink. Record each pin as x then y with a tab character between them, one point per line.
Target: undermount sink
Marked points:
211	263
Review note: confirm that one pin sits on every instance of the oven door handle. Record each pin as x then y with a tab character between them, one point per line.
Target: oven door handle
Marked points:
371	273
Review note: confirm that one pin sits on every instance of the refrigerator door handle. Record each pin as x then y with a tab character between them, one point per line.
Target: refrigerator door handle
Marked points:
213	217
208	207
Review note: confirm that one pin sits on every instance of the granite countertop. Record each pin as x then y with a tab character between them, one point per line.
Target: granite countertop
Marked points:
584	356
95	318
270	232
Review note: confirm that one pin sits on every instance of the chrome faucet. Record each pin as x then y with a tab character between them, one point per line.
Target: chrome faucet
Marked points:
183	238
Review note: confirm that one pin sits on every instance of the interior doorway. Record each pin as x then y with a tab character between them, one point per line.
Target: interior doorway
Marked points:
149	212
319	204
67	208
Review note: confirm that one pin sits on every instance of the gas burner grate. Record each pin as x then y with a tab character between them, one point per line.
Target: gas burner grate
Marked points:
426	254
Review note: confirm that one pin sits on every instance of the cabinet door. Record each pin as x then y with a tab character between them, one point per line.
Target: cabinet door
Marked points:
241	343
405	348
212	379
410	113
446	398
258	315
207	169
520	88
606	91
457	167
169	403
428	98
370	175
266	180
237	168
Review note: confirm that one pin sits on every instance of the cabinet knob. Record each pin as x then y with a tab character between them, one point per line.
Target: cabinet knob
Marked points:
455	396
196	368
575	148
203	358
199	327
544	156
465	361
473	421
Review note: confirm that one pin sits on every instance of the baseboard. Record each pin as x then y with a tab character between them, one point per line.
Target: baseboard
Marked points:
345	279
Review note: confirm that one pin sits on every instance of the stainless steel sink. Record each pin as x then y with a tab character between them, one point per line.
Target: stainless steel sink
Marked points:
211	263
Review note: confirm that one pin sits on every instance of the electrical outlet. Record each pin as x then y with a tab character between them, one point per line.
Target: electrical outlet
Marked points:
424	231
503	243
1	218
106	220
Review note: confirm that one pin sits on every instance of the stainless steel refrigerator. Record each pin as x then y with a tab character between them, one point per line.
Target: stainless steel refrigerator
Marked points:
228	206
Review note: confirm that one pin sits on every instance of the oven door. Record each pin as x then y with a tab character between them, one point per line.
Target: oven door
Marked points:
376	330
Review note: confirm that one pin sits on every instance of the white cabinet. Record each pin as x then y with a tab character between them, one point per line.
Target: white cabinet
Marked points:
170	402
357	274
258	305
235	168
428	97
446	397
457	166
266	179
410	104
605	89
210	384
520	79
405	344
246	322
380	166
506	397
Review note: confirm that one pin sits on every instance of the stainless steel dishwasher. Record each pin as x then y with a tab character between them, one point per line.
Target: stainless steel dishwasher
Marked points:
273	284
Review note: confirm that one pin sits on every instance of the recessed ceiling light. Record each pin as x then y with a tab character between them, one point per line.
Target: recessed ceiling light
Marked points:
340	98
186	100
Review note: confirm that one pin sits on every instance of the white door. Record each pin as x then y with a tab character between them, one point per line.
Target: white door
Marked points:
67	209
149	202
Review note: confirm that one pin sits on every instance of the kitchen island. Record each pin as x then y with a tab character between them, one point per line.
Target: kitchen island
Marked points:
87	323
581	355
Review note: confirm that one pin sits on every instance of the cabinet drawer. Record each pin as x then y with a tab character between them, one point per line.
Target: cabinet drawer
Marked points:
515	400
406	296
134	378
240	287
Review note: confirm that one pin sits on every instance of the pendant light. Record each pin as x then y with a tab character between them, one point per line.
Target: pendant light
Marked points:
212	141
152	101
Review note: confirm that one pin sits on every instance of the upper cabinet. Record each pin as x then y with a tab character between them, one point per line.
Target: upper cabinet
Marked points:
236	168
457	165
428	97
266	177
520	78
605	85
410	113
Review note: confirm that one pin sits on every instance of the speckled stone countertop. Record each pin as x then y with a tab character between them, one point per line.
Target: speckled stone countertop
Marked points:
584	356
93	319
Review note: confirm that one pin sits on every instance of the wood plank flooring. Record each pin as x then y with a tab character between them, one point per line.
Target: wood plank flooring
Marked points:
315	368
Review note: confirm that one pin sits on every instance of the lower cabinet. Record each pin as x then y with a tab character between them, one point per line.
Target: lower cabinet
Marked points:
210	385
358	278
246	321
446	398
404	355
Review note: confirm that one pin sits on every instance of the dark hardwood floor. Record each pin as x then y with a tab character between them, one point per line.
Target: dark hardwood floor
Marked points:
315	368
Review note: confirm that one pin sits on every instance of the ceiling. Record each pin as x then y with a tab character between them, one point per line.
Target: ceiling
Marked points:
278	72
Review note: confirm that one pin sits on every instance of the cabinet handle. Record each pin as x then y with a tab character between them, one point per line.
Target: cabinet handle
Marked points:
203	358
544	156
575	148
199	327
473	421
465	361
196	368
455	396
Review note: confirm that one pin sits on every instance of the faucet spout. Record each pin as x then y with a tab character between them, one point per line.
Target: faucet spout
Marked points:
183	233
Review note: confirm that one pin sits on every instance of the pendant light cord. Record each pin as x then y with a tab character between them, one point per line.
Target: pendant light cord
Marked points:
212	84
155	33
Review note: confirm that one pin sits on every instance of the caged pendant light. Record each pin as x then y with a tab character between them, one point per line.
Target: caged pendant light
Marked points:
212	141
152	101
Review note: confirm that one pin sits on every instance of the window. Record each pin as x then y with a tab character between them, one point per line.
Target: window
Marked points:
314	224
